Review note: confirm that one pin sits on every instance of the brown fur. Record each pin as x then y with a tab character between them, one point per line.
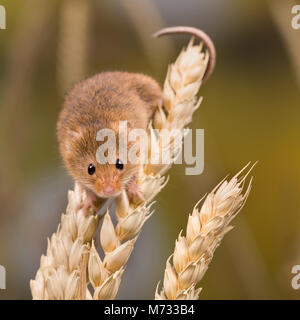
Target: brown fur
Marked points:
97	103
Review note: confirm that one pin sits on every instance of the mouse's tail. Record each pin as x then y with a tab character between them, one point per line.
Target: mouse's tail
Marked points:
198	34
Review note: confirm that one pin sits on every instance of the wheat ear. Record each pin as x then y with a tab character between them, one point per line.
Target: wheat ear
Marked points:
179	98
205	230
62	271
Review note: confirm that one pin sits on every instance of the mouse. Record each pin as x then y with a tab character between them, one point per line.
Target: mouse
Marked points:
100	102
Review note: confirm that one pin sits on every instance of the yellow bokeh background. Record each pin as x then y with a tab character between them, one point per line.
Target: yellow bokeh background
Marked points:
250	112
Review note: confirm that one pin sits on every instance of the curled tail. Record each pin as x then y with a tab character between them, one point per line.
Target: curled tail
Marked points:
201	35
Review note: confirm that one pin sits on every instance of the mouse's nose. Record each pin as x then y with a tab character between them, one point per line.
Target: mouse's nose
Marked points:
109	190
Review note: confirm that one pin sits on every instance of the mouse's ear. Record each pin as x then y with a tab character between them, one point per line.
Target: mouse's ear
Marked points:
71	137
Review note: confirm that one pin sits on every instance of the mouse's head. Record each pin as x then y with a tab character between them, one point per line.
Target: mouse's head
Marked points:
80	156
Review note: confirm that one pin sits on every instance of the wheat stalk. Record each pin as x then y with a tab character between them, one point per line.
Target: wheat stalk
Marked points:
73	42
205	230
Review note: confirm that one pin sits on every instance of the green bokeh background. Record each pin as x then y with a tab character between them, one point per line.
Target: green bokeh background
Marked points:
250	112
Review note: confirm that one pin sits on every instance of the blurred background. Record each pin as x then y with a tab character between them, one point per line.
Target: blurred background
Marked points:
250	112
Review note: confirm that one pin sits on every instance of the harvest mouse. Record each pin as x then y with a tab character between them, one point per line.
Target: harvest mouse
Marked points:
102	101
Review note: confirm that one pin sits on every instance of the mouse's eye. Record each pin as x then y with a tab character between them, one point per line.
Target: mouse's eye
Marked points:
91	169
119	164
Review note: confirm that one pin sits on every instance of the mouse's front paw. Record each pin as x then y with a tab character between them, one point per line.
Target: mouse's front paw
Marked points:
89	203
134	191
